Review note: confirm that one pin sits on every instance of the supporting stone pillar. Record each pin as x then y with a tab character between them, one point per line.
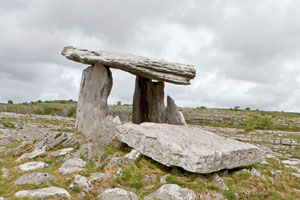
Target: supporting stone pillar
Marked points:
92	108
174	116
148	101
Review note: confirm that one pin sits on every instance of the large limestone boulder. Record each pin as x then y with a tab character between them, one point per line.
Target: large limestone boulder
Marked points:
44	193
34	179
189	147
92	108
148	101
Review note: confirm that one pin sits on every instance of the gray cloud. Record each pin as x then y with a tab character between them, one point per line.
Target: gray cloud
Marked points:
245	52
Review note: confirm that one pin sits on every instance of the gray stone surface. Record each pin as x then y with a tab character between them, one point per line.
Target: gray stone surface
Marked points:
99	177
44	193
34	154
5	173
220	182
172	192
148	101
117	194
150	68
74	162
134	155
173	115
61	152
96	84
118	161
70	170
82	182
189	147
34	179
33	166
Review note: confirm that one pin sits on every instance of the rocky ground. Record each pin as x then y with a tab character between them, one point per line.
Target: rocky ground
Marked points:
41	157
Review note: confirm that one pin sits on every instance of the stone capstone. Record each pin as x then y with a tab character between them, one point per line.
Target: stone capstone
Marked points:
34	179
172	192
189	147
173	115
148	101
150	68
44	193
92	108
117	194
32	166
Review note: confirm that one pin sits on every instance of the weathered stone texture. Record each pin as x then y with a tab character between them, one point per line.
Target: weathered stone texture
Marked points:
148	101
150	68
92	108
173	115
189	147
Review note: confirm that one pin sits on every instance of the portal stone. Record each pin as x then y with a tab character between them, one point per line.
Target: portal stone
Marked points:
148	101
92	108
173	115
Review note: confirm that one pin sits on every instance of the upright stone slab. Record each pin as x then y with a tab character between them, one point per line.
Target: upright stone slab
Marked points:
96	84
148	101
173	115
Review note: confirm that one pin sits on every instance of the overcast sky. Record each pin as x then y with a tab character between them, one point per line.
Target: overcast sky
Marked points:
246	53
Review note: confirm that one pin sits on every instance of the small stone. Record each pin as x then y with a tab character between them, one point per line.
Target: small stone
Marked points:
163	179
74	162
36	153
220	182
81	195
120	171
296	175
33	166
99	177
2	149
291	162
1	161
61	152
171	192
254	172
118	161
134	155
44	193
83	182
117	194
150	178
5	173
70	170
34	179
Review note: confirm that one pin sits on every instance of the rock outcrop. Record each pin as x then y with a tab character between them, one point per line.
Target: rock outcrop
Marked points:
150	68
92	108
189	147
173	115
34	179
148	101
117	194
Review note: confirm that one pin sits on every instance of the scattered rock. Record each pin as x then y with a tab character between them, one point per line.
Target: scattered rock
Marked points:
117	194
33	166
120	171
81	195
2	149
173	115
70	170
150	178
296	175
118	161
34	179
19	149
291	162
74	162
99	177
256	173
5	173
34	154
83	182
61	152
134	155
189	147
172	192
44	193
89	150
163	179
220	182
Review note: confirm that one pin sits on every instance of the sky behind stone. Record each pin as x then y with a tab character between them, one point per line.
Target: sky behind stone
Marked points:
246	53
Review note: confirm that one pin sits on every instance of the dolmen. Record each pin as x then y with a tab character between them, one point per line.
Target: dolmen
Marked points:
157	131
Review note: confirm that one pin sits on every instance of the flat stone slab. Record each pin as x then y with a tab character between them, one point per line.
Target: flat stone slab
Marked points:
150	68
61	152
33	166
34	179
44	193
189	147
